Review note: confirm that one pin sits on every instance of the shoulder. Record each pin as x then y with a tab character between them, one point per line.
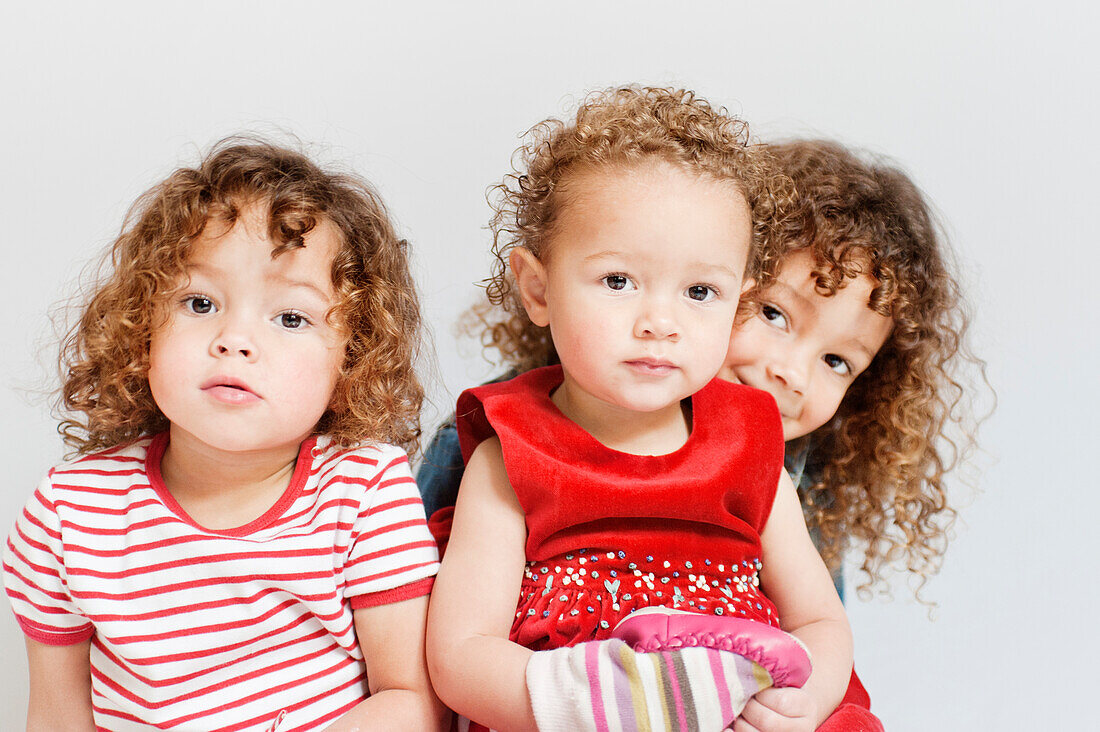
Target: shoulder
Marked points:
91	497
742	425
501	406
109	471
738	396
488	454
530	384
740	406
368	460
120	458
363	479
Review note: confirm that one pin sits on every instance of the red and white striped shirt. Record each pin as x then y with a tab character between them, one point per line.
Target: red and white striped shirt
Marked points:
198	629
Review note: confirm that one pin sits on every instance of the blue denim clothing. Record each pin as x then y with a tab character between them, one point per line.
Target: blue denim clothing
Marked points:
441	472
804	473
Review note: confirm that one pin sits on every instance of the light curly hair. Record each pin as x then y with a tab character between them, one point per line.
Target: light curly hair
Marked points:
882	459
104	359
612	129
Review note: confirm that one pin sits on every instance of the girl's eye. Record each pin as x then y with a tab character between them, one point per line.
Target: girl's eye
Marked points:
837	364
292	321
198	304
774	316
702	293
618	282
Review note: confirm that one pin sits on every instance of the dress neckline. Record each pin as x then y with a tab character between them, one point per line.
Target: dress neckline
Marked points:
549	378
302	466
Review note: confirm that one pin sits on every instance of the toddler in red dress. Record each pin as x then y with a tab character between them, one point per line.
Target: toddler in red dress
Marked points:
627	477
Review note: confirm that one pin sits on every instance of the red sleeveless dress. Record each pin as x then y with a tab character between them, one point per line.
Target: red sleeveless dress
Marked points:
609	532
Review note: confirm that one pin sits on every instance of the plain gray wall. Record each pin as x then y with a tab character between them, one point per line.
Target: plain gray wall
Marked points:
990	106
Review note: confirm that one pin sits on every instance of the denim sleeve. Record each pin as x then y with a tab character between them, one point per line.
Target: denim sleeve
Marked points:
796	463
838	579
441	470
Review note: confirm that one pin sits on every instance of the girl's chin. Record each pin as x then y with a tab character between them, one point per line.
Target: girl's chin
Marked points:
792	432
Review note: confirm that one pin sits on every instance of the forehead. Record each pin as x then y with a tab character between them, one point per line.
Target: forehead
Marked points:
650	209
798	269
846	312
244	244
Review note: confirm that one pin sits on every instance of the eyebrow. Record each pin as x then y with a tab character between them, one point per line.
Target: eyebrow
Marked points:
861	346
302	284
788	291
719	268
207	270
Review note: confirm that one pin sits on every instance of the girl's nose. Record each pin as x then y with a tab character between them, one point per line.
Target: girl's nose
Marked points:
656	321
791	372
231	341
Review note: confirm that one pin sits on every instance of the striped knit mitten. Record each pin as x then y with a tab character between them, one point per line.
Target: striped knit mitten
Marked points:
604	686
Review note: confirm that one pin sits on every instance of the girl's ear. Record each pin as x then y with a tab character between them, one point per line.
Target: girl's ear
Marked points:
531	279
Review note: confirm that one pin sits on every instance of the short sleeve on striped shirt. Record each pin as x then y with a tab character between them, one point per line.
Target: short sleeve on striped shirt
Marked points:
34	575
394	556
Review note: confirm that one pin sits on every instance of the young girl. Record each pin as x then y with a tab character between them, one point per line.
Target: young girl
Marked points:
627	477
866	230
865	406
238	547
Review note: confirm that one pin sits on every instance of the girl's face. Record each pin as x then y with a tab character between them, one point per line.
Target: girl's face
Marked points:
805	348
640	284
246	360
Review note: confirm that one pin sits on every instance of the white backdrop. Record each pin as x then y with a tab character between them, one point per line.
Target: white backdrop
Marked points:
991	107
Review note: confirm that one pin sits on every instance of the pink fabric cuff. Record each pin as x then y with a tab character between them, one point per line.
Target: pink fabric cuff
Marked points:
419	588
658	629
52	636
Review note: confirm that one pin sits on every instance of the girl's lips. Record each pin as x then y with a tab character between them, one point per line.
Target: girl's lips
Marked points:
231	394
651	367
229	391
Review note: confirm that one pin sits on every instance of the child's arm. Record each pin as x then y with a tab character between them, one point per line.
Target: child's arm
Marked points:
476	670
61	687
392	639
796	580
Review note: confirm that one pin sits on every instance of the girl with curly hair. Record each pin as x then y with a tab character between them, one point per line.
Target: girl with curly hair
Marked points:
858	331
856	325
240	544
631	501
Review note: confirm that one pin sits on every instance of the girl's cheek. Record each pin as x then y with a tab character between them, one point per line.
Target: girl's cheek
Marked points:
831	403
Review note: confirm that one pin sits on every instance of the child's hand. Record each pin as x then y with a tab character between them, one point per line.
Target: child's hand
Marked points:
780	710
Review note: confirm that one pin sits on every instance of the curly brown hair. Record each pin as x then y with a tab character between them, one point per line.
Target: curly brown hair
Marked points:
880	462
614	128
104	359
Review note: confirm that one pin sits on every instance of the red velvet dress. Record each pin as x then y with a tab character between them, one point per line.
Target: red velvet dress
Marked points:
610	532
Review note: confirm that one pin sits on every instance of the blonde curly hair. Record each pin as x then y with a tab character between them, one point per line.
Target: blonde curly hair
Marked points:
617	127
882	459
104	358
